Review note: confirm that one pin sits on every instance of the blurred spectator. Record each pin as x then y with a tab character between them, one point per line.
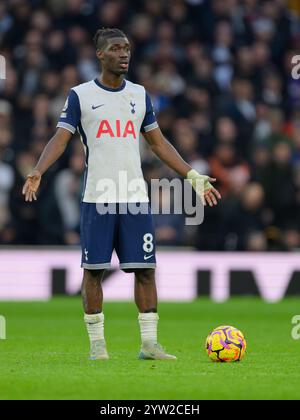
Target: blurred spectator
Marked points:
277	179
291	239
231	172
186	142
256	241
168	227
221	54
67	188
276	123
6	183
244	222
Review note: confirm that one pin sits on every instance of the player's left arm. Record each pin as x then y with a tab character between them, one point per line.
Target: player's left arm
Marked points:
164	150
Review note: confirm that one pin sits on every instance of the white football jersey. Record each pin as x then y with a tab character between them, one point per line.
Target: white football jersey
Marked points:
109	122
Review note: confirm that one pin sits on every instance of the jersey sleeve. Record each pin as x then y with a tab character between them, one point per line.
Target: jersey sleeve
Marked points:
71	113
149	122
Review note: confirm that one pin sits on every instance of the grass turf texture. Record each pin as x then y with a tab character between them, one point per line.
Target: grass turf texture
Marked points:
45	354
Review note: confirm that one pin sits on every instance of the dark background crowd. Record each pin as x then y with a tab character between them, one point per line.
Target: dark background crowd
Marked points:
219	74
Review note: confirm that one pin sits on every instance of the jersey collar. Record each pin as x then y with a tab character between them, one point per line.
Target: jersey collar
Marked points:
110	89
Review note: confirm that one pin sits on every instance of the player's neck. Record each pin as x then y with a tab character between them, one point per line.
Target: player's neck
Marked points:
111	80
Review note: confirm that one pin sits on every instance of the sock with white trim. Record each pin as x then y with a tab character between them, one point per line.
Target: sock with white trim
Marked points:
95	326
148	326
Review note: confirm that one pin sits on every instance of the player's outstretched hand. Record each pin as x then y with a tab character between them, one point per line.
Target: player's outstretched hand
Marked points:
31	185
211	194
203	187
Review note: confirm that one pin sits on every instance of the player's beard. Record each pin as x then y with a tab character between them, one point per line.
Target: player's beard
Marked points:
121	72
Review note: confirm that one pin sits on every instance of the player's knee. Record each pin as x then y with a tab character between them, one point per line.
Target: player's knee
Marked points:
146	275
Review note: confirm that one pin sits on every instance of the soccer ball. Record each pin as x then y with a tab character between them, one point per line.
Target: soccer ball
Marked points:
226	344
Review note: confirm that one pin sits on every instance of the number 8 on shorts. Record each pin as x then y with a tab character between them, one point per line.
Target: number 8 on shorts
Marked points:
148	242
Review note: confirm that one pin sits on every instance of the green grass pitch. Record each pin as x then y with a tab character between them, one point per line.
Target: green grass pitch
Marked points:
45	354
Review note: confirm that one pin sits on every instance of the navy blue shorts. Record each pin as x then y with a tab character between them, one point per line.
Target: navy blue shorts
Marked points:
131	235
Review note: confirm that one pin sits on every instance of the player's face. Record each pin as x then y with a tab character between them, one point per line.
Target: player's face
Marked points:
116	57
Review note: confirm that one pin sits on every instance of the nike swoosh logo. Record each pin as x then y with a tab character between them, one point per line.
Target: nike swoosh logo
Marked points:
146	257
98	106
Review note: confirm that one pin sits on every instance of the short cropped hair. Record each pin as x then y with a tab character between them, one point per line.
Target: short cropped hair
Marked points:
103	34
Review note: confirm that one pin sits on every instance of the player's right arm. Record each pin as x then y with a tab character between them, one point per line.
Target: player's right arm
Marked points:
53	150
68	121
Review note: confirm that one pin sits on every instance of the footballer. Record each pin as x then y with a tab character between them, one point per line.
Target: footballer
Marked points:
109	112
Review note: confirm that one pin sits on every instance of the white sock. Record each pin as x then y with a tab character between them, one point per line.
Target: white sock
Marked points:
148	326
95	326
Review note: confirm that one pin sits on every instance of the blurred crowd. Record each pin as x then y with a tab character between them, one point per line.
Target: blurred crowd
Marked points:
219	73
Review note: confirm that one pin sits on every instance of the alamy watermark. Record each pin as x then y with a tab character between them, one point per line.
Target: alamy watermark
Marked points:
2	67
296	68
296	329
167	197
2	327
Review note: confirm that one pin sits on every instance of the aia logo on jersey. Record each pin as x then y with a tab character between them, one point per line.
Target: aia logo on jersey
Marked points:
116	129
